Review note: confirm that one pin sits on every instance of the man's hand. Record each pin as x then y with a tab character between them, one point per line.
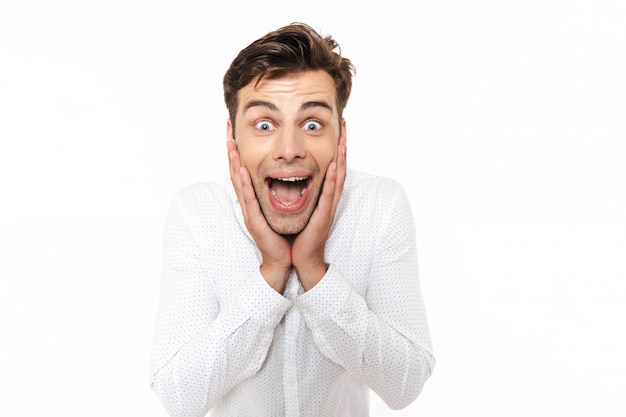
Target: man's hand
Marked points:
306	252
275	249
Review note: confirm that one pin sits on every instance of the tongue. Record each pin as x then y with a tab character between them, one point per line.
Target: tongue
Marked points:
287	192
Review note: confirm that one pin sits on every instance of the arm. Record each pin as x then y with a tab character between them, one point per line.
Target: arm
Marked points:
200	350
382	339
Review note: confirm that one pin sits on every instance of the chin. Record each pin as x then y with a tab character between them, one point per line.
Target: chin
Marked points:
287	224
287	229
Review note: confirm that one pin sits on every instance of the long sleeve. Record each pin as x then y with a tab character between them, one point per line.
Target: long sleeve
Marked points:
379	335
229	345
203	348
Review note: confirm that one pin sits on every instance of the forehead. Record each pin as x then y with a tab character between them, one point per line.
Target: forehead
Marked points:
292	90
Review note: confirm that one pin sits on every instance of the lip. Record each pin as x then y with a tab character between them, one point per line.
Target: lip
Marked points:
277	205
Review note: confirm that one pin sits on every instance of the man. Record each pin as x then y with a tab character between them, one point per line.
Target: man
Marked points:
290	288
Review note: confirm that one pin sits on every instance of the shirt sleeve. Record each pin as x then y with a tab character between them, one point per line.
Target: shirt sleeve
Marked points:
382	338
202	350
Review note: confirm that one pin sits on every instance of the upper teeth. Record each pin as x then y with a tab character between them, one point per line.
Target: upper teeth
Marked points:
291	179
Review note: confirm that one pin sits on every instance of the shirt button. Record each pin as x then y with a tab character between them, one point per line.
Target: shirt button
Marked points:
290	333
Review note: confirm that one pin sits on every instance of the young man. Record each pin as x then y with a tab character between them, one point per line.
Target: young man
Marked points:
290	288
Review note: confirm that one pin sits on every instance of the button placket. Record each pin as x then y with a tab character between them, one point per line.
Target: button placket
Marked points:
290	371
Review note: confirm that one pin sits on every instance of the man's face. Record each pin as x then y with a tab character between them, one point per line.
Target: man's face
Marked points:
287	132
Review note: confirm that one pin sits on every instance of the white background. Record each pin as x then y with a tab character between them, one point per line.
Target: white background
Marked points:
505	121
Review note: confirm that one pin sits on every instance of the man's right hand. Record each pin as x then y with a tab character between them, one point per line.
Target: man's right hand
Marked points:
275	249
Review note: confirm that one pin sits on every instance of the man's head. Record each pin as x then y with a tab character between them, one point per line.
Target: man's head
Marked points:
291	49
285	94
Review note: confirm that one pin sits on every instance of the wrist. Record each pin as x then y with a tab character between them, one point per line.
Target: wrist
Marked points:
275	276
310	275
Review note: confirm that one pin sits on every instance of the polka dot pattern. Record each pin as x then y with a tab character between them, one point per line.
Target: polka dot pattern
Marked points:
227	344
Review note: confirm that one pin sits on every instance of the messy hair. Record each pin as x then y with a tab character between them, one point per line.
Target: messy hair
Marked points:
291	49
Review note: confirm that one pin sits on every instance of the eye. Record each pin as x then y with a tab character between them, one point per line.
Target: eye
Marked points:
264	126
312	125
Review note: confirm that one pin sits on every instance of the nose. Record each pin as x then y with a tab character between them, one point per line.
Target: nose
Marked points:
288	145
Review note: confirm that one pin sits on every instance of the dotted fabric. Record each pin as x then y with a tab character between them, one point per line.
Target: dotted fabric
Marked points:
227	344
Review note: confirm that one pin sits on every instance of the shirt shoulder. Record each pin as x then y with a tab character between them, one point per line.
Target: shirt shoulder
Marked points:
376	204
218	191
204	201
362	186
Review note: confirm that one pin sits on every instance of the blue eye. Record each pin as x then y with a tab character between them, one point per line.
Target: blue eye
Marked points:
312	125
264	126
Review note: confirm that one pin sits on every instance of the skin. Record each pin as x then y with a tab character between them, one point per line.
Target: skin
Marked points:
289	127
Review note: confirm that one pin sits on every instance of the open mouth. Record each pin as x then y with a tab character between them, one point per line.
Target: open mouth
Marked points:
288	190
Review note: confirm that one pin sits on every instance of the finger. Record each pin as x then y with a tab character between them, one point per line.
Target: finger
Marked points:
234	163
325	206
247	191
340	172
238	174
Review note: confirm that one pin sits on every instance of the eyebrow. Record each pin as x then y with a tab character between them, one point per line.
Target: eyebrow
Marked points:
261	103
305	106
312	104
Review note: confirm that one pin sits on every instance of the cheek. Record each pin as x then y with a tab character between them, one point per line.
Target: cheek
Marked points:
251	165
326	157
249	157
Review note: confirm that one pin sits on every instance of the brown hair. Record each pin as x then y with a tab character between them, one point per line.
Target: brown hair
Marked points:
291	49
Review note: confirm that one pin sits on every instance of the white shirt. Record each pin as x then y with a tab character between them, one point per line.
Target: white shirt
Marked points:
225	341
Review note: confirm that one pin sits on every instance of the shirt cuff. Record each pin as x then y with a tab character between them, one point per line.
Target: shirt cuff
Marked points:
326	300
264	304
258	302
